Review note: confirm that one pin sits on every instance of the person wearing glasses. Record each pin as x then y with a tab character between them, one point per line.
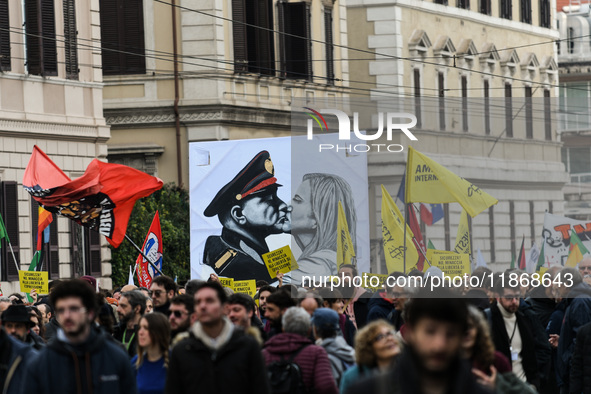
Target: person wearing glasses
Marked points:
512	332
82	358
376	348
163	290
181	309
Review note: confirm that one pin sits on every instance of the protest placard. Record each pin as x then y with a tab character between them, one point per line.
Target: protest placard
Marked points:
452	264
248	287
30	280
280	260
368	281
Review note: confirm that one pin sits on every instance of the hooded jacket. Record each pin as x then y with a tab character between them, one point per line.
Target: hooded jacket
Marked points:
313	361
340	355
578	313
96	366
231	364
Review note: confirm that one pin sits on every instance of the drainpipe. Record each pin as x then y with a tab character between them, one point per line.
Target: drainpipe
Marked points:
177	121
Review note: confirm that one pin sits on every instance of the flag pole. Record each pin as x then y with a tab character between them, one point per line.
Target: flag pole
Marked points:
13	256
142	253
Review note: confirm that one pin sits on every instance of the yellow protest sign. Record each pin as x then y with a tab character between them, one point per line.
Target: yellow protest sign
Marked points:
345	249
429	182
248	287
227	282
452	264
374	285
30	280
280	260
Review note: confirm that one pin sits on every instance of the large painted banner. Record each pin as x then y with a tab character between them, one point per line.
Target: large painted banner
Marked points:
258	204
557	233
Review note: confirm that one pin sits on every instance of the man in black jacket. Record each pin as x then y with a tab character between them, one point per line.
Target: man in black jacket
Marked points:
580	370
13	356
82	359
163	290
512	333
217	357
436	323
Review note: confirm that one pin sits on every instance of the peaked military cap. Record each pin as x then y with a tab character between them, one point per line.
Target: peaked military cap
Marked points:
256	177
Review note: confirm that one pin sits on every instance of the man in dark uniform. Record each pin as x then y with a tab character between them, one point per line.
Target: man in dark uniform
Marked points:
250	210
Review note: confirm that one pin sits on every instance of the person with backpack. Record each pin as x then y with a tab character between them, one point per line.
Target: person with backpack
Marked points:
325	326
294	364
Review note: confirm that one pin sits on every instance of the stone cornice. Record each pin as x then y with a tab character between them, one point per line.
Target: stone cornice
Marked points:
50	130
197	115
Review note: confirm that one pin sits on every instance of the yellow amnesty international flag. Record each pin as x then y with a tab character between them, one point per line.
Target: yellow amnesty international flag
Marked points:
345	250
463	236
429	182
393	237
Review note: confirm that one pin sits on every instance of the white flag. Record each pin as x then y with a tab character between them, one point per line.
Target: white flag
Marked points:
531	261
130	280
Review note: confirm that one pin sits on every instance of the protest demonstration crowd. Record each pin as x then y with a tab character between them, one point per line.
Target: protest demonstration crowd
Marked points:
204	338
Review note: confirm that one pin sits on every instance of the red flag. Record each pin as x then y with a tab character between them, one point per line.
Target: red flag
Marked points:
413	223
521	258
45	218
101	199
153	250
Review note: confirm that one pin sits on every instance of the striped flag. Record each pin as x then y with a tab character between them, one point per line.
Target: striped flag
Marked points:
576	251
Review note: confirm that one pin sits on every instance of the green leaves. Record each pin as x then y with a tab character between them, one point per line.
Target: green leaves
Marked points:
172	203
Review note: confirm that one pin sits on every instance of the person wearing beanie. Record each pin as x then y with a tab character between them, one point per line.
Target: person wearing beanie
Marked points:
326	330
16	320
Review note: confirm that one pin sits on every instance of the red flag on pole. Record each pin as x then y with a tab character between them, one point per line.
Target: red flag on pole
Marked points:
101	199
153	250
521	258
418	237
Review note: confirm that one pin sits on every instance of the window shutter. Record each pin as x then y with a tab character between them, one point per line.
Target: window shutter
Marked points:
547	115
329	46
417	91
122	37
298	61
508	111
265	52
239	36
94	252
464	103
40	36
70	40
76	256
10	216
53	255
529	122
48	33
109	11
33	37
132	24
4	37
441	87
486	108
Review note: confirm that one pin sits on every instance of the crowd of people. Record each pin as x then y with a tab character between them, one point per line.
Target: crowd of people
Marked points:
503	336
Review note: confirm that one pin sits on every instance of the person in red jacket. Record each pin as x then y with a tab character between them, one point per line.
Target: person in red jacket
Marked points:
312	360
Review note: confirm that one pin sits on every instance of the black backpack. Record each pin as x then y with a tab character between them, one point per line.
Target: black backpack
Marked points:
285	376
